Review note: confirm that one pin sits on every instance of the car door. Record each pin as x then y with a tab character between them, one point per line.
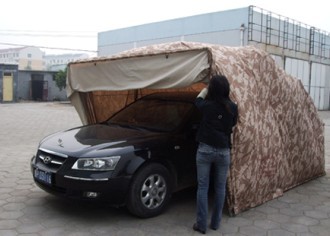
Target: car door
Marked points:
184	148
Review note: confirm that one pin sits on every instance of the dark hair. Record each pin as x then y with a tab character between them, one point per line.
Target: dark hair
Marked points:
219	90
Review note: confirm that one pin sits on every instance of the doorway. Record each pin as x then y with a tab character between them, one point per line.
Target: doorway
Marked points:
39	88
8	87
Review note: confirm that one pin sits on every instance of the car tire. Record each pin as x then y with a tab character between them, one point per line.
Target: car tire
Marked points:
150	191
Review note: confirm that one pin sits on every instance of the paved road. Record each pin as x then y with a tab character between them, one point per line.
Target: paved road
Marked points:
27	210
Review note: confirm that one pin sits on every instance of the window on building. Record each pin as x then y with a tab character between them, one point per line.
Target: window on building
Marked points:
29	55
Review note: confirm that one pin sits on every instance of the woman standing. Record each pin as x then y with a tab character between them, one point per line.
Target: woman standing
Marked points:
214	135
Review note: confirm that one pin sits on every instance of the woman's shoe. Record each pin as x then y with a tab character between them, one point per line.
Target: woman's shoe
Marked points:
214	228
195	227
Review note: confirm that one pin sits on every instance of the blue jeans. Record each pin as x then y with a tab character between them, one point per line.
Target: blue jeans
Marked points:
205	158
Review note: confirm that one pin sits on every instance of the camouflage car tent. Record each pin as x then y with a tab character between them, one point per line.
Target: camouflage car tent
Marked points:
278	142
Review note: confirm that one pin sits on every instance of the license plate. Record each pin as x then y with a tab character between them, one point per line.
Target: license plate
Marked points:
43	176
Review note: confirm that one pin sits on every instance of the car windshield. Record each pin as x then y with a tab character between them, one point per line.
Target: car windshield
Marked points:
158	115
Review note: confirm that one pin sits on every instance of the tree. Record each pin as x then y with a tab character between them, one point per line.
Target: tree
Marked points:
60	79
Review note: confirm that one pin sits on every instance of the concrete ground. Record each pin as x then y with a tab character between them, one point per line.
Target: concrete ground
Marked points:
27	210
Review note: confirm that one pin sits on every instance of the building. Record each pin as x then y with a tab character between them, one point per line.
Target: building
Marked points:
27	58
8	82
60	61
26	73
38	86
17	85
302	50
32	58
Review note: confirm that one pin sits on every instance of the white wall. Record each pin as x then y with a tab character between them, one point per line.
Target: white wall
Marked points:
320	87
316	82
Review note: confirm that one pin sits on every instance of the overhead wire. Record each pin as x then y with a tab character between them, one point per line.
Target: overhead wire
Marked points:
35	33
47	47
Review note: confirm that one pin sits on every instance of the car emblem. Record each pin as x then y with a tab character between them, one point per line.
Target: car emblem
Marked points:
47	160
60	142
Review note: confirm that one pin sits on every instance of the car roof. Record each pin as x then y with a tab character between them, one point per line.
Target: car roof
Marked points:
173	96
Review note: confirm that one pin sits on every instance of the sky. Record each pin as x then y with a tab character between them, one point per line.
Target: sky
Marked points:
71	26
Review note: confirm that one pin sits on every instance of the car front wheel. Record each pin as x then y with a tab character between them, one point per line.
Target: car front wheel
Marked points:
150	191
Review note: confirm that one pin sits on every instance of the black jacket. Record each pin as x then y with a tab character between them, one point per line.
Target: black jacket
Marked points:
217	123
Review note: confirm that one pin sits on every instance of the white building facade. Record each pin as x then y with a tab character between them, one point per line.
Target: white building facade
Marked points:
27	58
60	61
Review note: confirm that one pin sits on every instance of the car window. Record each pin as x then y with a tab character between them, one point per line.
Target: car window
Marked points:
157	115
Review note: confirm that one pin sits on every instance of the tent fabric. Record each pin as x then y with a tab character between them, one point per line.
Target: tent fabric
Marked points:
278	142
154	68
153	71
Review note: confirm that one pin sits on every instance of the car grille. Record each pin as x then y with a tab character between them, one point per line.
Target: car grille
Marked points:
50	160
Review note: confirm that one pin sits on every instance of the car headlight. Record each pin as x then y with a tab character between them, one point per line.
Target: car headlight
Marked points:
96	164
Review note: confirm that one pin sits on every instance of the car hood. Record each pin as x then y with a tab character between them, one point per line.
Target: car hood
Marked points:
85	140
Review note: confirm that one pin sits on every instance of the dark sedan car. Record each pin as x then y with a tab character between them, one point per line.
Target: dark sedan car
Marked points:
137	158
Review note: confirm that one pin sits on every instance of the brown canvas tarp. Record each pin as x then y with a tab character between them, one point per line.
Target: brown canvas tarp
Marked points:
278	142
